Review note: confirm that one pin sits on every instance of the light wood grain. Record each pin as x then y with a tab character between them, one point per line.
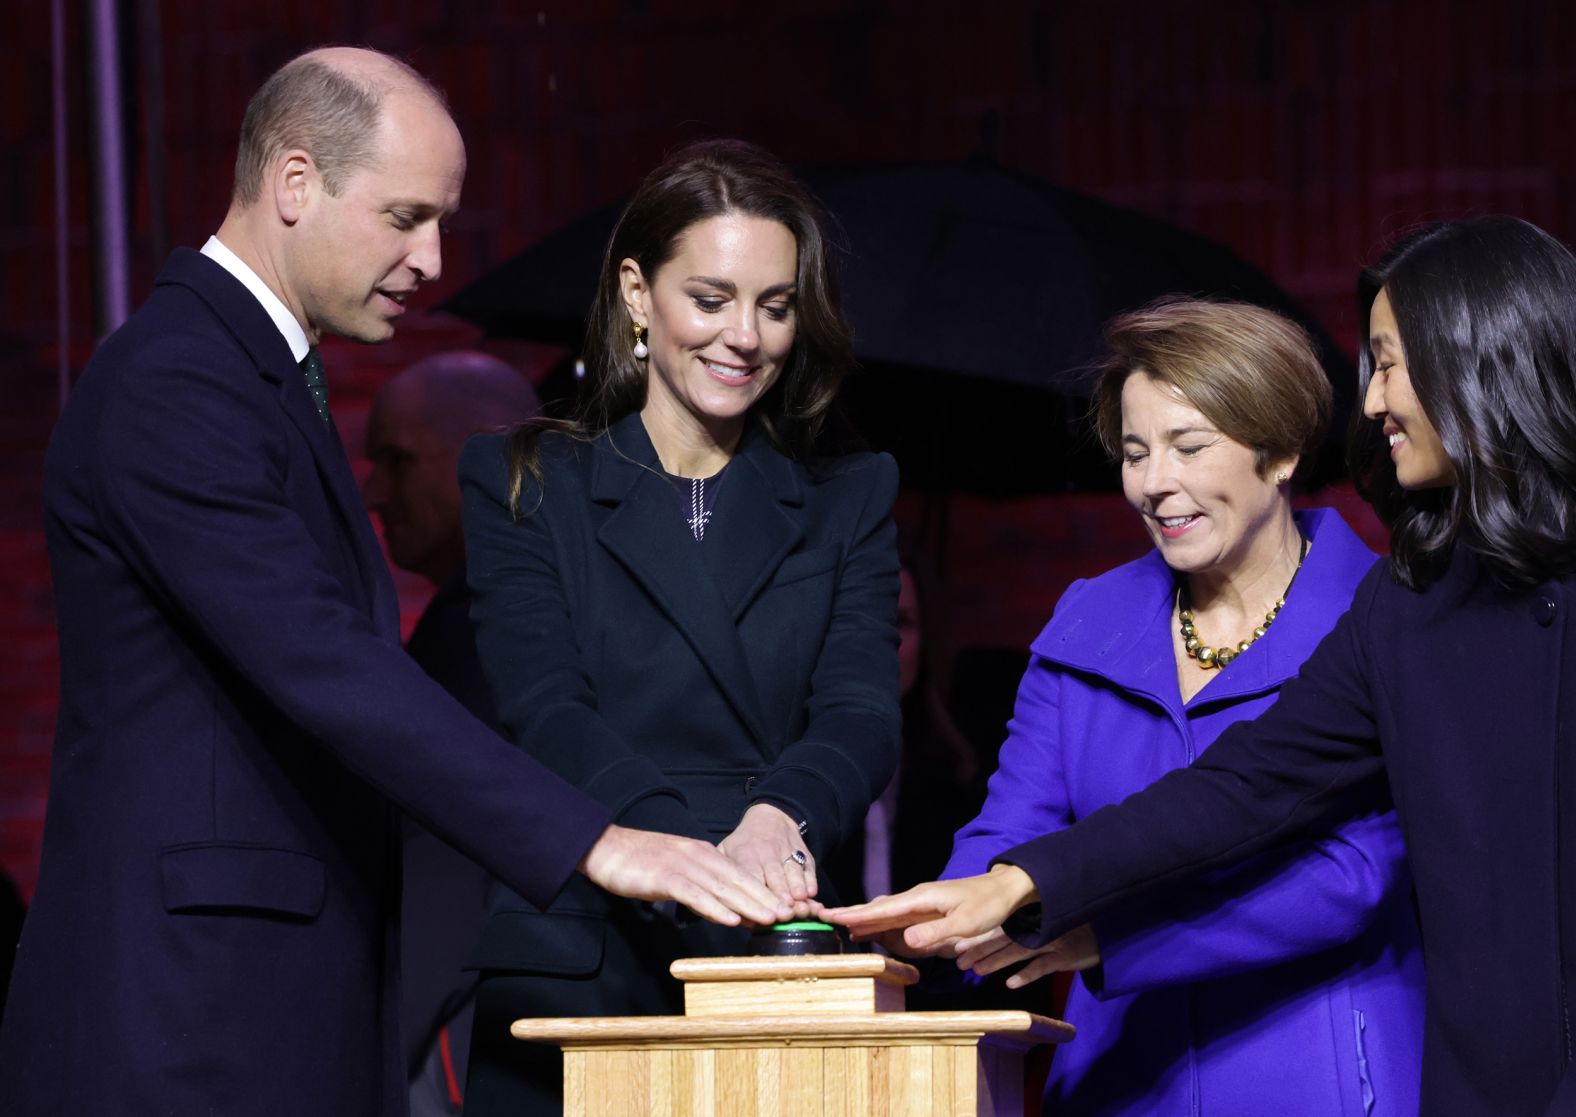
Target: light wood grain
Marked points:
791	996
801	1082
970	1094
878	966
736	1080
695	1082
661	1071
845	1077
1020	1029
577	1065
795	1037
913	1078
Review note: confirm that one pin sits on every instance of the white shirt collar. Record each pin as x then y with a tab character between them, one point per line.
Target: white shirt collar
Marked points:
294	335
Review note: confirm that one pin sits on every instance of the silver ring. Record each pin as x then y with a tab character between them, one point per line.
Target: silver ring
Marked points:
798	857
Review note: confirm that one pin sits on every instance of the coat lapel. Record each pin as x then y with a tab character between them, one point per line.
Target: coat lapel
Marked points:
750	533
250	325
328	453
647	535
1120	627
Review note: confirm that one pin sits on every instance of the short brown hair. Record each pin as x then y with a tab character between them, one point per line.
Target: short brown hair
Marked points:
333	115
1252	373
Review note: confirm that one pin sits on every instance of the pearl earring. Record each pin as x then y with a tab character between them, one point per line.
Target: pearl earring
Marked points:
641	352
1280	478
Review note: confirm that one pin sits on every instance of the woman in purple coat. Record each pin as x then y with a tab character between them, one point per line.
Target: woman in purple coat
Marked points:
1291	984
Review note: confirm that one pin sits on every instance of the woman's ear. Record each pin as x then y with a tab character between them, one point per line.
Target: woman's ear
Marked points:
1283	470
636	291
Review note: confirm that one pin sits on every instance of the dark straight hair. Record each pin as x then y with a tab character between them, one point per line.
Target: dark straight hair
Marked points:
701	181
1486	309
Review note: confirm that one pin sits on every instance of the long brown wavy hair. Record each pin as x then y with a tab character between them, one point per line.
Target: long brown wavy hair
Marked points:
704	180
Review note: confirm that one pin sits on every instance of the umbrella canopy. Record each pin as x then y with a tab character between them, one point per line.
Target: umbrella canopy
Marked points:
977	298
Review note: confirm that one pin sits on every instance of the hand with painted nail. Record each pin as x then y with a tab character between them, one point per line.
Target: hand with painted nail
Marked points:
934	917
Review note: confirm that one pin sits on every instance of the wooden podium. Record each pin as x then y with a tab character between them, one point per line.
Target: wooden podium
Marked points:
809	1036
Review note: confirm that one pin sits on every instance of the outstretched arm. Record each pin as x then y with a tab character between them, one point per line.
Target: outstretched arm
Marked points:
1261	783
1305	762
1279	906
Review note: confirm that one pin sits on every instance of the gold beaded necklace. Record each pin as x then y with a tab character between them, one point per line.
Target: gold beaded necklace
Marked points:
1209	658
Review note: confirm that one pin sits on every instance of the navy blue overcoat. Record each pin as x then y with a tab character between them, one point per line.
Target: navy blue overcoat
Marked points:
675	681
213	929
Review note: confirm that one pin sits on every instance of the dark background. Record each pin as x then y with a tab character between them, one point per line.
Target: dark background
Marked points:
1302	135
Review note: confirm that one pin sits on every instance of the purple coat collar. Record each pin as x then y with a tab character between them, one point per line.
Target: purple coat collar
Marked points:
1118	626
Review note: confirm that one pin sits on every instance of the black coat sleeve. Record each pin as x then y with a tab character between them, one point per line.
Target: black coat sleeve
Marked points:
849	748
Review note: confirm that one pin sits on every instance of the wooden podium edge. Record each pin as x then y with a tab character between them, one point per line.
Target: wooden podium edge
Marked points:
1011	1029
791	968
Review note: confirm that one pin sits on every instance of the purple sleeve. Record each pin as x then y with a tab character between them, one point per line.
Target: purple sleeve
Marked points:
1028	794
1263	782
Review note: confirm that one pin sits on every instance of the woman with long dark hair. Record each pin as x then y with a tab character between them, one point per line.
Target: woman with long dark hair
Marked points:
681	606
1453	675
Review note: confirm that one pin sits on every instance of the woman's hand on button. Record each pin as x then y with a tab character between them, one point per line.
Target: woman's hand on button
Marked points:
767	846
934	916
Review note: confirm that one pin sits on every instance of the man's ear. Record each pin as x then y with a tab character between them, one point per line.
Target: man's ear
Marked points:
293	183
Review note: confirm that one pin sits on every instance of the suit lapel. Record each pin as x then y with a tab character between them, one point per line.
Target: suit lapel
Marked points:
647	534
328	453
251	327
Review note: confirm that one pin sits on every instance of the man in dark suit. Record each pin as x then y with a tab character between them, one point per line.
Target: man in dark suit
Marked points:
419	421
214	927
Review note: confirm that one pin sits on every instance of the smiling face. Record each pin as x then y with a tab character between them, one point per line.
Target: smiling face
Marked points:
1419	456
1202	501
720	317
358	257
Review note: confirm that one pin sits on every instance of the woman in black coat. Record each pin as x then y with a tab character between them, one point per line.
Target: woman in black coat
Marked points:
681	608
1452	678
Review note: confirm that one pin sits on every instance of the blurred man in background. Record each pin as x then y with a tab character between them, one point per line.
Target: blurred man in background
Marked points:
419	421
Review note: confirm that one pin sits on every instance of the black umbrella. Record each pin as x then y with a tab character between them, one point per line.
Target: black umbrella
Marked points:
976	297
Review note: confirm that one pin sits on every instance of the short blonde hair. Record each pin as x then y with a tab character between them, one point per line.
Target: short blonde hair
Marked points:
1252	373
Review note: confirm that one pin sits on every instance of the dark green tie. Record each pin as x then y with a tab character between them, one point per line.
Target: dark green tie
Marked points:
312	369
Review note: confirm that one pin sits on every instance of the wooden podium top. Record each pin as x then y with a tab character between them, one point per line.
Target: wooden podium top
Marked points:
813	1000
808	1036
789	968
1012	1029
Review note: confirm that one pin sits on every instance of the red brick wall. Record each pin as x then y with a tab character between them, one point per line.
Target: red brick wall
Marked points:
1301	134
